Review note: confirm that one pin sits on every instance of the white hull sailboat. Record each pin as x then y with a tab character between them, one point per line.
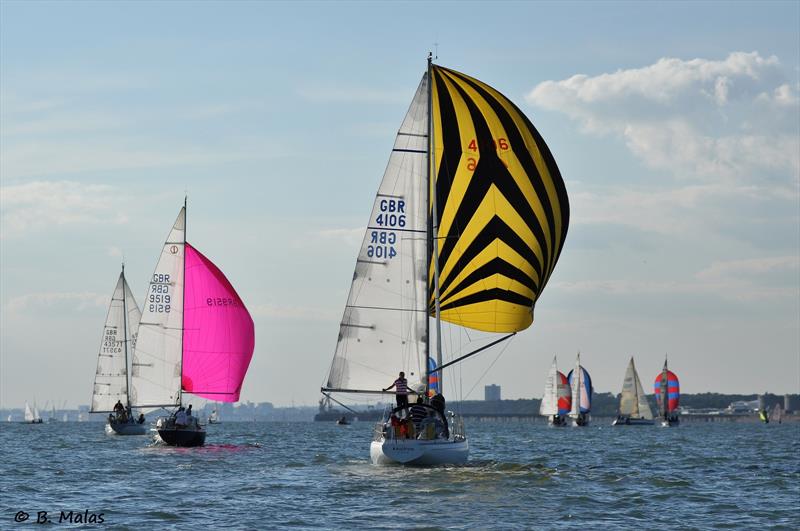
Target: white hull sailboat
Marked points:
634	410
111	380
466	228
196	336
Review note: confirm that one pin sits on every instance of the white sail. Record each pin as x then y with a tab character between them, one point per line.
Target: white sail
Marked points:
629	402
36	416
633	402
156	362
644	406
549	405
576	388
28	413
111	377
383	329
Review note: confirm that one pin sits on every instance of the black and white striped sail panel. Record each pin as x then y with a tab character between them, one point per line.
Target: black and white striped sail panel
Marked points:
383	329
502	206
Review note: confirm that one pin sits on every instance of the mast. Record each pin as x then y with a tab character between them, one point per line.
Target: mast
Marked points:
580	382
428	229
664	390
125	340
183	307
434	223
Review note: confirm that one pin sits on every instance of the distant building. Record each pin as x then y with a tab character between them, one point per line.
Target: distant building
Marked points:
491	393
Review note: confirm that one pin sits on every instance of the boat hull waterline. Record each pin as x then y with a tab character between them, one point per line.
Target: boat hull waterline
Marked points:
183	438
418	452
126	428
632	422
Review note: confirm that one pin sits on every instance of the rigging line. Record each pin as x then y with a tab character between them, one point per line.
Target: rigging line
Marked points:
481	349
344	406
488	368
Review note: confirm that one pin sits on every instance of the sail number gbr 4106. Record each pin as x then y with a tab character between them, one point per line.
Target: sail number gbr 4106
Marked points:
383	238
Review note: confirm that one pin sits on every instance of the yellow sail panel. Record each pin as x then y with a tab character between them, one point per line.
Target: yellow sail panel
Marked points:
502	206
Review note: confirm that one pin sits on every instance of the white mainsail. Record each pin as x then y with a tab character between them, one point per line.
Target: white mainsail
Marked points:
633	402
580	395
122	324
384	326
549	405
156	365
28	413
36	416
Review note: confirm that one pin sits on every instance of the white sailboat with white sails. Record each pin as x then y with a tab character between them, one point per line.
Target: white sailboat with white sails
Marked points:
32	415
466	228
111	380
634	409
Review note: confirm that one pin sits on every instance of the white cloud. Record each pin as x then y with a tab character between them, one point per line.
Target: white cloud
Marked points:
74	300
41	204
742	269
350	237
352	94
301	313
733	120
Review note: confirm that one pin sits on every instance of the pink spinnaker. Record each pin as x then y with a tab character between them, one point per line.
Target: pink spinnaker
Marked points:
218	333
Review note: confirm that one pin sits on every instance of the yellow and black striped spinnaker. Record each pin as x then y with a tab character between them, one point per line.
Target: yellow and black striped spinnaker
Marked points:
502	206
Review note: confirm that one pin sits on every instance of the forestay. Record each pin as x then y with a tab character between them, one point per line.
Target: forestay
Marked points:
383	329
156	365
111	377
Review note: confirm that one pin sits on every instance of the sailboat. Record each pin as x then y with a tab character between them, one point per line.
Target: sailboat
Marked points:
466	227
32	415
580	384
111	382
195	336
634	410
668	394
557	399
213	418
776	415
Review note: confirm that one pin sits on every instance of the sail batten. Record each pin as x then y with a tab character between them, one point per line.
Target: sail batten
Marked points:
496	187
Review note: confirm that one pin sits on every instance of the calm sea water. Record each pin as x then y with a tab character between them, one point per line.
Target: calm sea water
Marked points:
313	475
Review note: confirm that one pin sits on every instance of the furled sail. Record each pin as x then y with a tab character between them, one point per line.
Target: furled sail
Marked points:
384	327
119	334
502	206
580	384
156	364
667	391
219	335
633	401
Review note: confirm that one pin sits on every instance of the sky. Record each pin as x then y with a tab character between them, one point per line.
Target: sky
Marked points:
676	127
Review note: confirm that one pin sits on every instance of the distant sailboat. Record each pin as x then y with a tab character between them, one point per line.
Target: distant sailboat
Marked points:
467	226
580	384
634	410
111	382
557	399
195	336
776	415
668	394
214	418
32	416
